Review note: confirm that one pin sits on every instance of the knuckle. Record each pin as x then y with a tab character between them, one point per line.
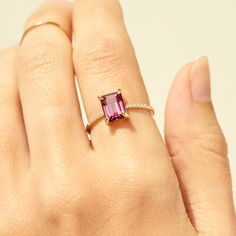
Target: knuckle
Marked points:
142	185
137	185
63	195
211	140
12	224
11	212
41	59
106	55
149	184
214	142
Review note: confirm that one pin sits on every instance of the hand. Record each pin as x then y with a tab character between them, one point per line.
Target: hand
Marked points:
54	181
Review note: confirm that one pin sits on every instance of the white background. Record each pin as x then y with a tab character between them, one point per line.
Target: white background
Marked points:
166	35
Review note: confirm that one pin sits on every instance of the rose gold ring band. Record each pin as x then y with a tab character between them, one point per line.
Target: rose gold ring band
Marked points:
129	106
41	23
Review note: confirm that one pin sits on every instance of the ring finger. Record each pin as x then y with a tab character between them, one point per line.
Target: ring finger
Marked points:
105	62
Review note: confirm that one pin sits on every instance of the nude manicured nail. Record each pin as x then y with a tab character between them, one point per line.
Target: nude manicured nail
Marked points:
200	80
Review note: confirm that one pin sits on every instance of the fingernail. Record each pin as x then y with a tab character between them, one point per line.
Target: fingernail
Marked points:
200	80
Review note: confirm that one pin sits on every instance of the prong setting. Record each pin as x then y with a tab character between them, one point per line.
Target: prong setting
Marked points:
126	115
114	109
101	98
107	121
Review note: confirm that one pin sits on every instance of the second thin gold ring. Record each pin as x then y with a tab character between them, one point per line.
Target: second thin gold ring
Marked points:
41	23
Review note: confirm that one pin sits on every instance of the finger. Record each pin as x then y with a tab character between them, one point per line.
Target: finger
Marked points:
47	87
14	159
197	146
105	61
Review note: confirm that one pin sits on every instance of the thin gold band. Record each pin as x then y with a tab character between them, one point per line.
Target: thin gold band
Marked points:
130	106
41	23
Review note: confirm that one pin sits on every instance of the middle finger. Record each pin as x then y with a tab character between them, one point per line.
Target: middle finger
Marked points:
47	88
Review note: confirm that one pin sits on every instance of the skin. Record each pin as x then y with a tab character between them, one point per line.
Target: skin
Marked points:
127	180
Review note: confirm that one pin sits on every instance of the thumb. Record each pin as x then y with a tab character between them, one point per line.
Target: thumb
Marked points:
198	150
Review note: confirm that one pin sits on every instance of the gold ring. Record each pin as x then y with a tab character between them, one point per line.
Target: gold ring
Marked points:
41	23
115	109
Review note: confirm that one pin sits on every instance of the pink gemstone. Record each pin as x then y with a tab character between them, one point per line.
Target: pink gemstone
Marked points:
113	106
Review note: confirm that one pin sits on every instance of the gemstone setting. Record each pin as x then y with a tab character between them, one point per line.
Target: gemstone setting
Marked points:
113	106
